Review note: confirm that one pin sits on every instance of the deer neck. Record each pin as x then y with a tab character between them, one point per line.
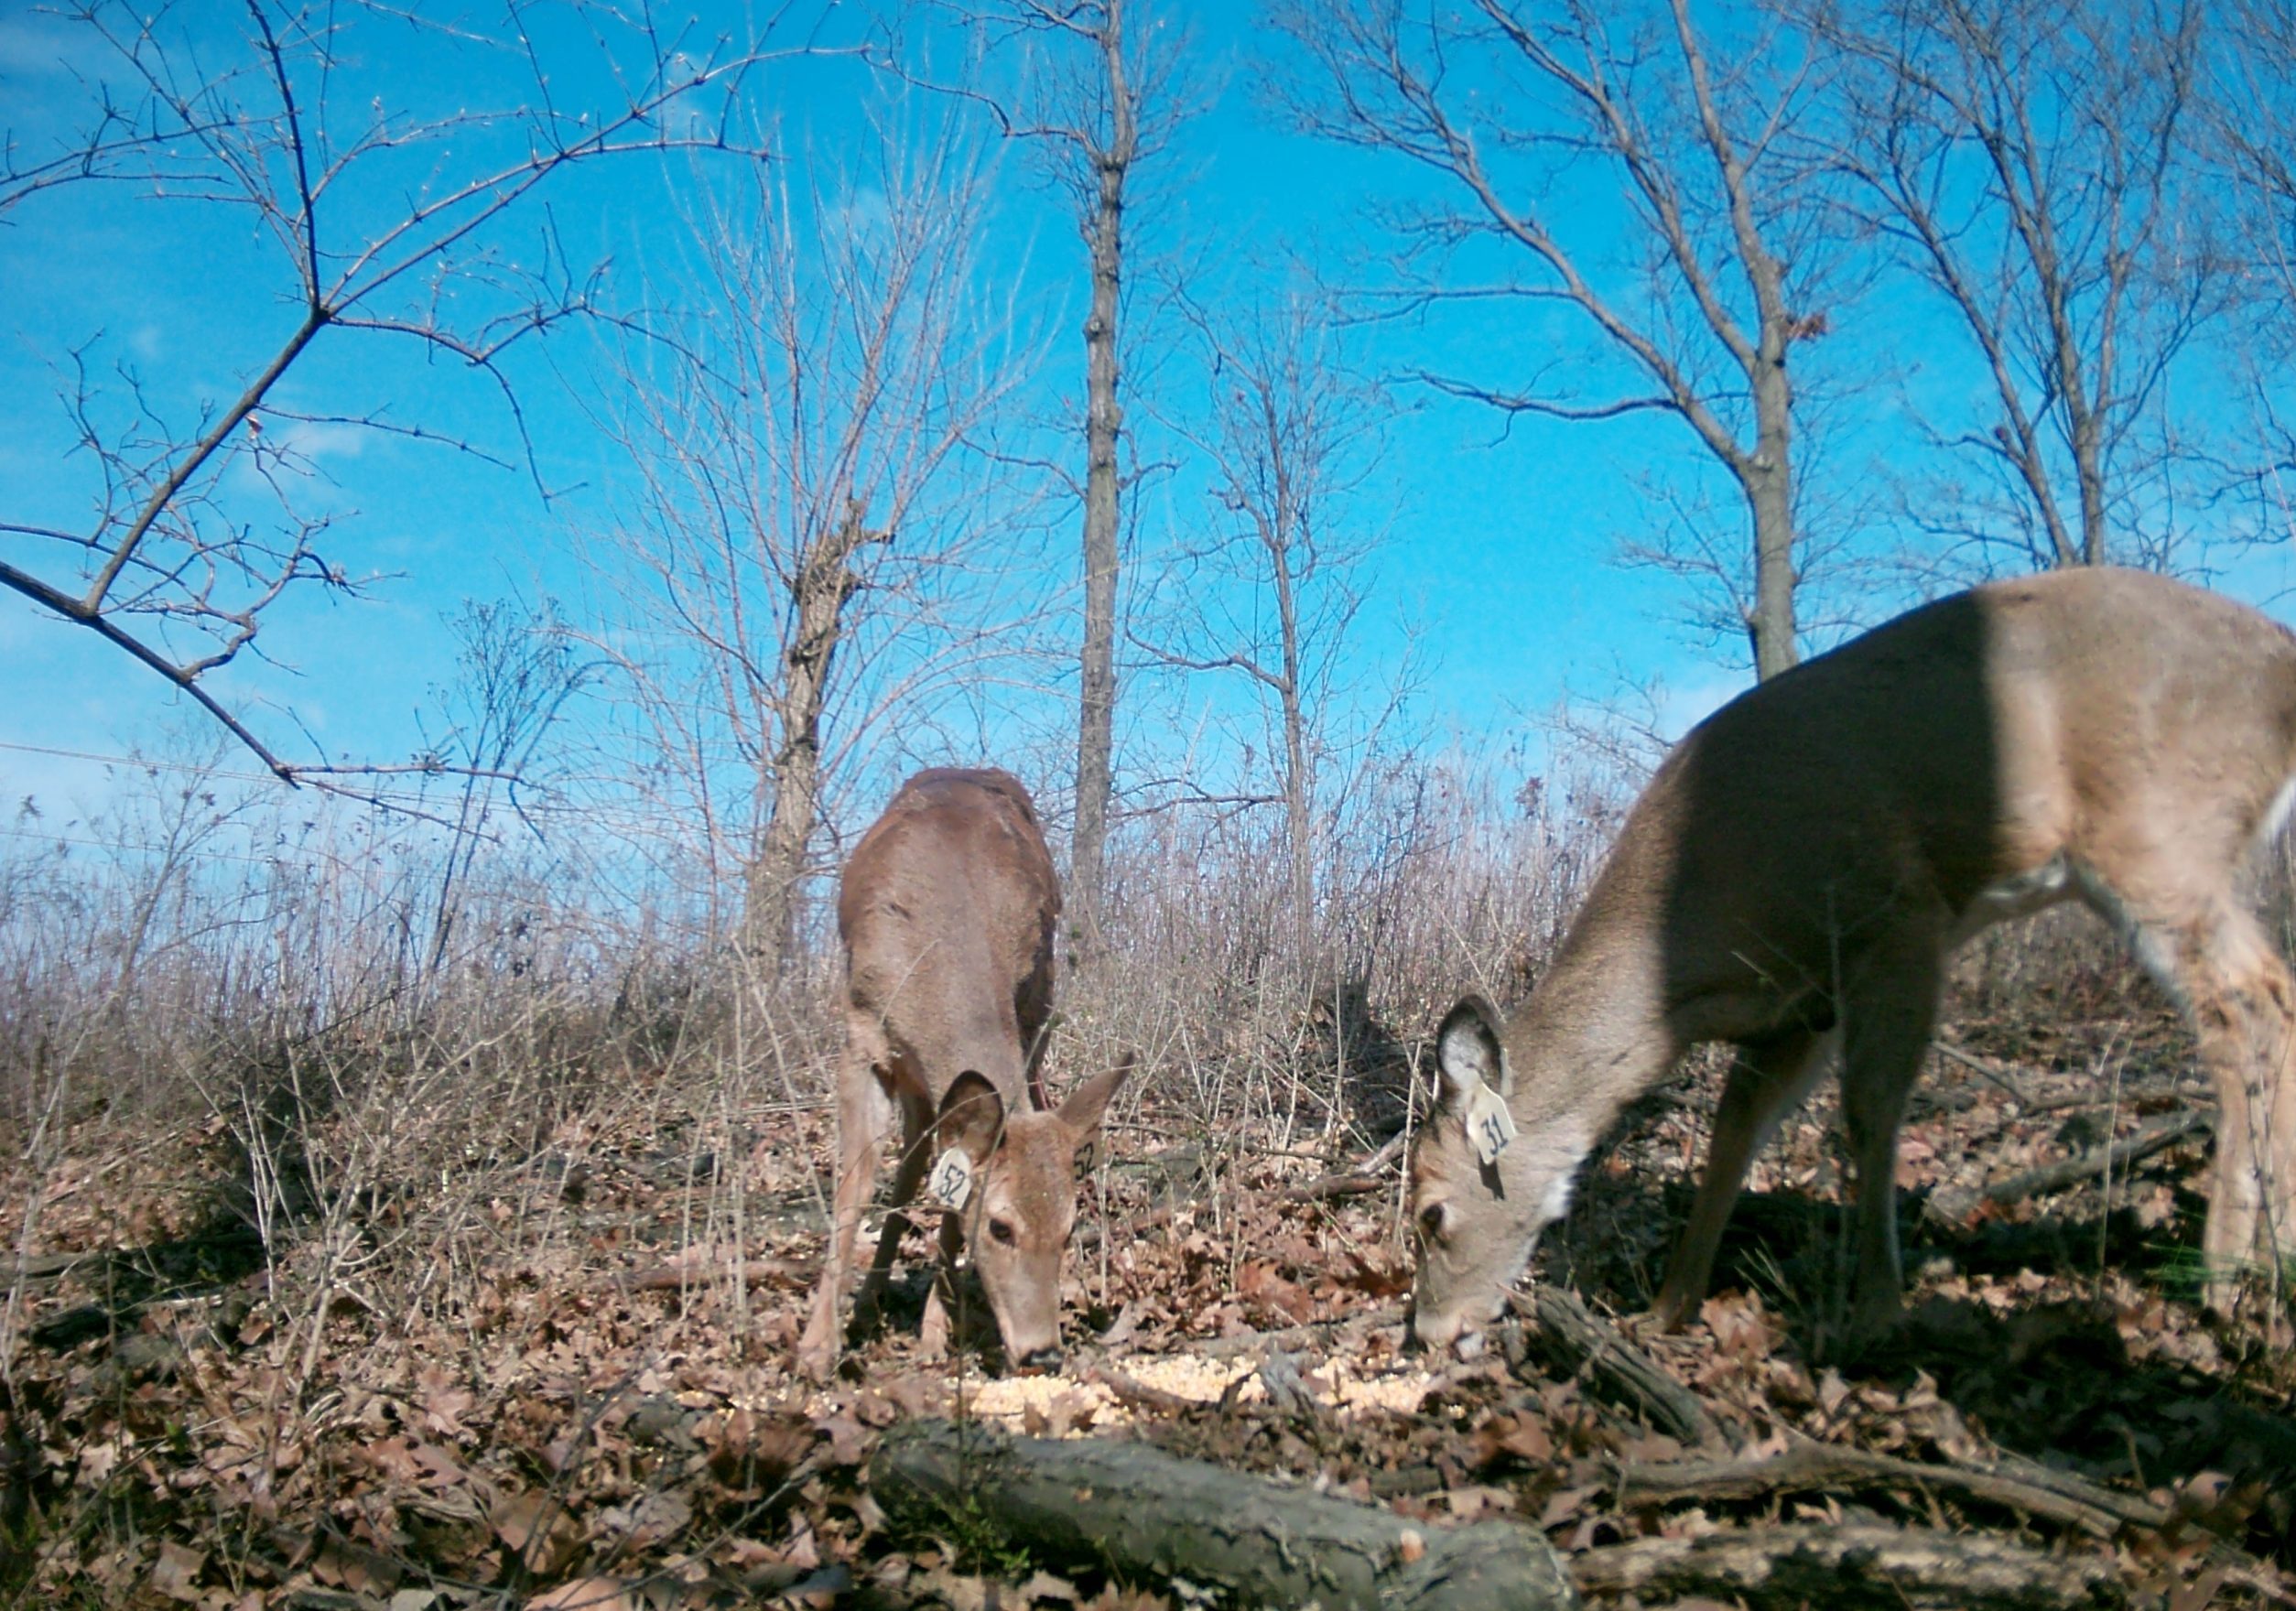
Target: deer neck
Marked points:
1593	1035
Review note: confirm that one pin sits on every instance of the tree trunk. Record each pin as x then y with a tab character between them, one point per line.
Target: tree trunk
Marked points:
1299	784
1103	419
817	596
1769	496
1144	1515
1768	476
2088	456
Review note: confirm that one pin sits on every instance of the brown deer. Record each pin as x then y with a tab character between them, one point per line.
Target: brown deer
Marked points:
1802	864
946	911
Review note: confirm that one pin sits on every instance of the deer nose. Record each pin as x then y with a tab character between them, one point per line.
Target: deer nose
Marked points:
1433	1333
1044	1359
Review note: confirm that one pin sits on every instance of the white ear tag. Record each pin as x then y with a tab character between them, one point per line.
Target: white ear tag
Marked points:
951	1180
1489	1127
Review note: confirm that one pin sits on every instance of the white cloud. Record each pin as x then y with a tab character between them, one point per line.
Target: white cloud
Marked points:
321	439
1682	707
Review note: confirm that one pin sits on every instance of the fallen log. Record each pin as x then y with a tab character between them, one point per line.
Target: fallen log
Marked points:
1851	1565
1356	1180
1142	1514
1808	1468
1953	1207
1984	1067
44	1266
1567	1337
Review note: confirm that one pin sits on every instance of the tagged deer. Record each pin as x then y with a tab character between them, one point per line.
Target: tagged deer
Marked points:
946	911
1802	864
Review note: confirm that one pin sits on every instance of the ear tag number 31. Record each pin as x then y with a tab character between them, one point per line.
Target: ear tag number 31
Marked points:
951	1180
1489	1127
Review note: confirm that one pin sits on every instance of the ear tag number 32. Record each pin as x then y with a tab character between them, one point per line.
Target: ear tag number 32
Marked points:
951	1180
1489	1127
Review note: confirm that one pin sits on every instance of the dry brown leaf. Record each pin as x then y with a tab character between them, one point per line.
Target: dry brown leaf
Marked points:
445	1402
536	1529
177	1573
1521	1436
585	1593
1565	1504
653	1519
849	1440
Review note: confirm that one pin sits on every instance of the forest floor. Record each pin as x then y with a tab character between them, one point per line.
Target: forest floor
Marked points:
578	1392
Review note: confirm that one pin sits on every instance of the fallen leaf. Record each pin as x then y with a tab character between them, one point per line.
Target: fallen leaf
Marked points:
536	1529
177	1573
585	1593
1523	1437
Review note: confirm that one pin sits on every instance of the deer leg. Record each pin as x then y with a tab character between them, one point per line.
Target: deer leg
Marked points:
916	1155
1890	1008
1768	1080
2242	1004
864	1115
932	1339
1031	1014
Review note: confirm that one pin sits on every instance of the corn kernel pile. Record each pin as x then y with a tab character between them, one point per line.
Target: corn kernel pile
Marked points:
1061	1405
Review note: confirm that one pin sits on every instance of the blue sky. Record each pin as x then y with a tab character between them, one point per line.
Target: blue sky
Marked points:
1491	548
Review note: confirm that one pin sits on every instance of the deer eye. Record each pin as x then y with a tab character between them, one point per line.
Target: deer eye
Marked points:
1000	1229
1431	1221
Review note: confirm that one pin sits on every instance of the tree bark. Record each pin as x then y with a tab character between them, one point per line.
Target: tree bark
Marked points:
2060	1496
1566	1336
817	594
1851	1565
1771	626
1299	784
1768	479
1139	1513
1103	487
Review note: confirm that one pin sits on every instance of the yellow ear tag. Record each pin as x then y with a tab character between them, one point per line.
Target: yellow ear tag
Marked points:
1489	1127
951	1180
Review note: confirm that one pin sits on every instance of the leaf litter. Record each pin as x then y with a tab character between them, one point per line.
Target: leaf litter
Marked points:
533	1416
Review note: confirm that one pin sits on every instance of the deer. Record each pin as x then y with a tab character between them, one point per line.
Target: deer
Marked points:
946	911
1797	871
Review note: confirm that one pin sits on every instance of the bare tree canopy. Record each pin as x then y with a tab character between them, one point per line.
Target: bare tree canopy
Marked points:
1098	90
800	561
1269	591
1705	268
395	199
2034	164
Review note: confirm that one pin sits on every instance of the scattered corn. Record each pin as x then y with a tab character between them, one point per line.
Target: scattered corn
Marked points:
1064	1406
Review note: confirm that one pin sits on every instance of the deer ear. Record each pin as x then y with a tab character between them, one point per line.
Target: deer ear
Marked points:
1088	1105
971	1120
1472	1062
965	1132
1468	1054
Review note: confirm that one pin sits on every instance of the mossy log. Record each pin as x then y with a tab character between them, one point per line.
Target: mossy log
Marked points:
1145	1516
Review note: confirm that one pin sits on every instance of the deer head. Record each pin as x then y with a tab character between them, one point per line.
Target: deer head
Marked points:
1480	1193
1011	1179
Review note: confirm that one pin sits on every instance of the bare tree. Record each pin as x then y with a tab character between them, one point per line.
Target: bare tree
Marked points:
383	216
2032	162
517	670
1287	434
1723	246
801	545
2252	110
1097	94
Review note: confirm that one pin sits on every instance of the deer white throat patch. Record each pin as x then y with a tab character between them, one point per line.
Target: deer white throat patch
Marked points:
951	1180
1489	1127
